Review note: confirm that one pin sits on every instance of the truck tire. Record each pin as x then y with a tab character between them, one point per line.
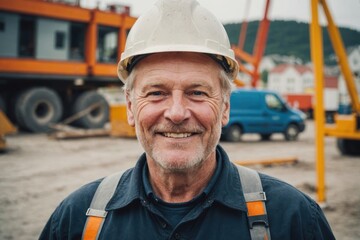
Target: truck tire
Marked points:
37	108
97	117
233	134
292	132
348	146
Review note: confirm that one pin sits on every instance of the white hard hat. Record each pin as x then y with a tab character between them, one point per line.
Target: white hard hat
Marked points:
177	26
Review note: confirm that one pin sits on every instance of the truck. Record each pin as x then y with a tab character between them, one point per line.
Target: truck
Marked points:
305	102
301	101
54	56
263	112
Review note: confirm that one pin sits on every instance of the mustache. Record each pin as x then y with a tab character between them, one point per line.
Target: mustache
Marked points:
177	128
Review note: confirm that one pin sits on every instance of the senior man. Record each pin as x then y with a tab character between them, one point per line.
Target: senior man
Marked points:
177	68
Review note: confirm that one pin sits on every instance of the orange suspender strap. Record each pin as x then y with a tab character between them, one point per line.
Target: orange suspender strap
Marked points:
251	184
255	201
96	214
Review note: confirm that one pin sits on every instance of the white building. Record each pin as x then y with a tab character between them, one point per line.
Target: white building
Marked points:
354	64
287	78
354	58
293	80
267	64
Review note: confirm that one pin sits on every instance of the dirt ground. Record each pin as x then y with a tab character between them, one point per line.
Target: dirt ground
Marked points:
37	172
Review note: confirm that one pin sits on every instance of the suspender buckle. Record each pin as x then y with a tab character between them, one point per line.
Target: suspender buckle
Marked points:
255	203
261	219
96	213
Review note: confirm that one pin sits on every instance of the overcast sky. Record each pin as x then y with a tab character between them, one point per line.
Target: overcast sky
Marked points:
346	13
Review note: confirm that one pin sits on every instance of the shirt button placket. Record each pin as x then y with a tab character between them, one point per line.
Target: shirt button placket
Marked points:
177	236
163	225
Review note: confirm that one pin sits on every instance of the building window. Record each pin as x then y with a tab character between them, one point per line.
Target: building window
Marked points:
107	44
2	25
27	36
77	41
59	40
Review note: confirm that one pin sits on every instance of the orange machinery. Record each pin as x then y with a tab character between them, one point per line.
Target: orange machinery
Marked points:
258	50
41	83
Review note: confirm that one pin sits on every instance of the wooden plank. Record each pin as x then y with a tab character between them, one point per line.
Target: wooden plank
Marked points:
67	132
268	162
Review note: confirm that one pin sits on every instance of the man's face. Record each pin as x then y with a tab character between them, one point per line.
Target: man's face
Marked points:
178	109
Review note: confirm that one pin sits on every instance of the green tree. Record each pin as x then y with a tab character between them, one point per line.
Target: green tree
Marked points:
264	77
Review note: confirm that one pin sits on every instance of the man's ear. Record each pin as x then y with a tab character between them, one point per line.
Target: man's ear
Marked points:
129	110
226	113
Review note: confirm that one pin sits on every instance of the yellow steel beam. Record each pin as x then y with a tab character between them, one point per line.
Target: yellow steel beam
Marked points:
345	126
339	49
318	61
333	132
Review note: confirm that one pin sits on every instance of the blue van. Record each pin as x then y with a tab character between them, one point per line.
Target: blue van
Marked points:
263	112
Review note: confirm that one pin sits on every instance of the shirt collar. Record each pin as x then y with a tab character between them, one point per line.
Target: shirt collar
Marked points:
130	187
228	190
224	187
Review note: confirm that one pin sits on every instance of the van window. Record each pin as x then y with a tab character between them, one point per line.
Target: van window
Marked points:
273	102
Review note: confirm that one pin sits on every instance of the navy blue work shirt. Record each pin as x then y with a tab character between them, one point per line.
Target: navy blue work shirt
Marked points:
219	214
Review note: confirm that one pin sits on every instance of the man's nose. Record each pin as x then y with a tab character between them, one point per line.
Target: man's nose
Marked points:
177	111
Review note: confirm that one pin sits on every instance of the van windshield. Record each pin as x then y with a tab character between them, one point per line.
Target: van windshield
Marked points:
273	102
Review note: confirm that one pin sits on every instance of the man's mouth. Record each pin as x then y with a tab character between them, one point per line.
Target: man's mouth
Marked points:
177	135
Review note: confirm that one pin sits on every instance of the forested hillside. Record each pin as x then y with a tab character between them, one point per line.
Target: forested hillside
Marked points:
290	38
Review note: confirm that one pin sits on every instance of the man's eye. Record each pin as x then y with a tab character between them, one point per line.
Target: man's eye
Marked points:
198	93
157	93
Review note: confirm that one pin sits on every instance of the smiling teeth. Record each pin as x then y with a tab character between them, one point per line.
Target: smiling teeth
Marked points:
177	135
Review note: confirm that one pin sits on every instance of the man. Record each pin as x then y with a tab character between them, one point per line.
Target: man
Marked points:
177	68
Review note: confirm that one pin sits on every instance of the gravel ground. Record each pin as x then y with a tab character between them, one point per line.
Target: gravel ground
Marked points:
37	172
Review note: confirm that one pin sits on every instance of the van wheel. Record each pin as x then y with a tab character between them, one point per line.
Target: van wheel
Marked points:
265	137
233	134
292	132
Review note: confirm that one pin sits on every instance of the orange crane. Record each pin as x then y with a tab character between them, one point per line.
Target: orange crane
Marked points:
253	59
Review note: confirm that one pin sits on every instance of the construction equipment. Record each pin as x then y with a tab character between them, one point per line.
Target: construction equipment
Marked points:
53	56
258	50
345	128
6	127
118	121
